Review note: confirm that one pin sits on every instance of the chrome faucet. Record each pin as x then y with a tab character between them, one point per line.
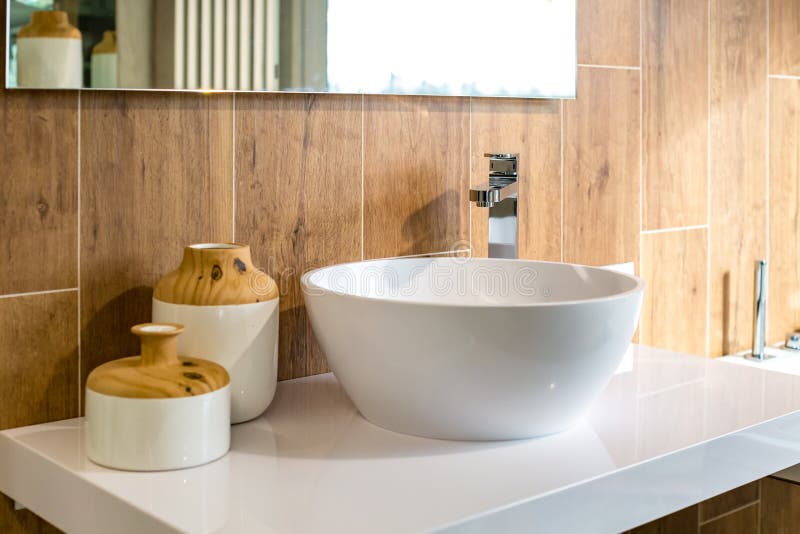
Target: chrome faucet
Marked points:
760	313
500	194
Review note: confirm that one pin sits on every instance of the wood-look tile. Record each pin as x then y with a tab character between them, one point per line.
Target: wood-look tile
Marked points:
674	265
683	522
416	175
21	521
531	128
675	112
156	175
608	32
738	57
39	348
38	206
601	168
298	200
784	209
744	521
780	506
729	501
784	37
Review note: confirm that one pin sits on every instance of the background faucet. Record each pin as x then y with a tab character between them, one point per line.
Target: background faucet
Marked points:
760	312
500	194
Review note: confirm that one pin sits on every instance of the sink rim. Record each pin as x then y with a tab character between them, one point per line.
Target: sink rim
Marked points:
308	286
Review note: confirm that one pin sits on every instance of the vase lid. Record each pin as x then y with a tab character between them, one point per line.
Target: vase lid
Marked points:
158	373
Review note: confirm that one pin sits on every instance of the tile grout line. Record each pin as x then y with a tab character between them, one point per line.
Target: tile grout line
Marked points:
781	76
729	512
469	175
363	195
233	170
708	181
78	259
675	229
561	171
641	154
35	293
767	142
614	67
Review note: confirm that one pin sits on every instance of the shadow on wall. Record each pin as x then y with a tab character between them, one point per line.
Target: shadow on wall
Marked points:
435	227
107	336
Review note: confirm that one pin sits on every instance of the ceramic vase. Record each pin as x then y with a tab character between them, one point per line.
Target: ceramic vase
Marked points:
49	52
230	312
104	62
158	410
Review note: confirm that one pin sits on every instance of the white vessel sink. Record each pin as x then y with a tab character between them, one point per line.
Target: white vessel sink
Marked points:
472	349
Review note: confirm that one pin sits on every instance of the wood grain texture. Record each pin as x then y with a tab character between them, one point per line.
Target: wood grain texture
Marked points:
729	501
601	168
784	37
738	57
674	309
156	175
780	506
298	172
216	274
531	128
39	348
38	205
744	521
675	113
784	215
159	372
608	32
683	522
416	175
21	521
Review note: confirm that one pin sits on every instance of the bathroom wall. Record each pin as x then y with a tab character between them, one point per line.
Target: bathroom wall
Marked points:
679	154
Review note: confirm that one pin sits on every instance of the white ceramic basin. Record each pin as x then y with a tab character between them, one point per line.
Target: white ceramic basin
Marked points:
472	349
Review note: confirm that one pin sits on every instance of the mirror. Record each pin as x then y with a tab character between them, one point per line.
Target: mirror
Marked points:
515	48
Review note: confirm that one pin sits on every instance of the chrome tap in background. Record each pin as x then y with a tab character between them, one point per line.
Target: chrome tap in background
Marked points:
500	194
760	312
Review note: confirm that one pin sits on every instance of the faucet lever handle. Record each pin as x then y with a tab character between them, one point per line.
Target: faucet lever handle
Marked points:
502	164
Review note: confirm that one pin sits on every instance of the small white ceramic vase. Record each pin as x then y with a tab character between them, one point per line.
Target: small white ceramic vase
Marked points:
49	52
104	62
159	410
230	313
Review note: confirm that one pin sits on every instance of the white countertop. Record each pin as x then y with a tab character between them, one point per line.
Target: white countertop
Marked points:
669	430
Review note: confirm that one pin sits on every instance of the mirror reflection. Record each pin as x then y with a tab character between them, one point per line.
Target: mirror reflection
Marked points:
522	48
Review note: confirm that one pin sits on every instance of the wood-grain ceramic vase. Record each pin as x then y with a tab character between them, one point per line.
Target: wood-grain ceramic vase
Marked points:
230	312
158	410
104	62
49	52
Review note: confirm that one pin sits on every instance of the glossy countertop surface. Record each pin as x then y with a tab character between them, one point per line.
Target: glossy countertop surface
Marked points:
669	430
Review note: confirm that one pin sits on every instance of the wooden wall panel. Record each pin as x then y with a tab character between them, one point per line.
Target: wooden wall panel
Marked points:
39	348
601	168
608	32
674	311
729	501
156	175
38	204
531	128
784	37
744	521
784	209
780	506
298	200
675	112
416	175
738	59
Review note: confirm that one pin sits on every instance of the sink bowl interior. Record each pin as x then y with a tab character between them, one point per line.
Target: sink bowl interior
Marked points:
471	282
